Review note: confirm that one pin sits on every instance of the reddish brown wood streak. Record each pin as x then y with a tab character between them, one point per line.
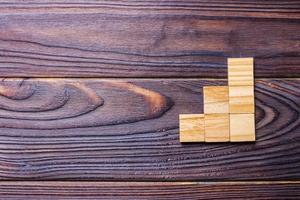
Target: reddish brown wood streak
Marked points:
157	103
73	104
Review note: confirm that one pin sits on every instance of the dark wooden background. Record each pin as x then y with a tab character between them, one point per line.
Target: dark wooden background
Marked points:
90	93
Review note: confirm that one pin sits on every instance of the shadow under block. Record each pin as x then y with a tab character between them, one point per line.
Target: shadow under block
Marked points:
216	99
240	72
217	128
242	127
241	99
191	127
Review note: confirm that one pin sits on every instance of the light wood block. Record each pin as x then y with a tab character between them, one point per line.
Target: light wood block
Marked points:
216	99
191	127
242	127
240	72
217	128
241	99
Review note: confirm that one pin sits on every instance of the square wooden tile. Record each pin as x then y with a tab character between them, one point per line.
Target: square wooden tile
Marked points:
217	128
240	72
191	127
216	99
241	99
242	127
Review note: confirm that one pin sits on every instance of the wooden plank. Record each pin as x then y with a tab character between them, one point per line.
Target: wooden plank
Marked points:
217	127
149	190
242	127
51	40
285	9
216	99
93	129
191	127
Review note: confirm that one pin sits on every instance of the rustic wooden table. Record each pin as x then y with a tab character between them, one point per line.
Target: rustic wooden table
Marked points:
90	94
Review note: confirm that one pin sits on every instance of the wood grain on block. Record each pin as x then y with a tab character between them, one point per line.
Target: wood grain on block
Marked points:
240	72
242	127
216	99
217	127
191	127
241	99
112	129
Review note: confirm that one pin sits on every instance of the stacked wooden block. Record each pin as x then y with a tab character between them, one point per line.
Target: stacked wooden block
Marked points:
228	110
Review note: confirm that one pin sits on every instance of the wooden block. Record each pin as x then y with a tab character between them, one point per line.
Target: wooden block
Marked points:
241	99
242	127
217	128
216	99
191	127
240	72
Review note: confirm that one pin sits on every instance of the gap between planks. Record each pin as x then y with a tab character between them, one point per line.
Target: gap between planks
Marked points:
138	78
93	182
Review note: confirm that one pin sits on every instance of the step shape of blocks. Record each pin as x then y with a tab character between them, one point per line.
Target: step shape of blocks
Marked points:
228	110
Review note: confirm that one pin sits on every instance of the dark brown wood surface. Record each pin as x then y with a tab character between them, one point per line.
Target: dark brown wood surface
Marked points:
147	38
92	129
149	190
287	9
90	91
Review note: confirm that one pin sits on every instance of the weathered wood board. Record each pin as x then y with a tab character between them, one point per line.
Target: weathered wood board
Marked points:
91	129
135	39
148	190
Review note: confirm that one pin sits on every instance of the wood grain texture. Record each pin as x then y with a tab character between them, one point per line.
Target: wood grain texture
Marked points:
91	129
147	38
148	190
191	128
216	99
242	127
286	9
217	127
240	71
241	99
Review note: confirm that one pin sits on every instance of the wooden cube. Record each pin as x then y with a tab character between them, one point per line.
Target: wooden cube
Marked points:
242	127
217	128
240	72
241	99
216	99
191	127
